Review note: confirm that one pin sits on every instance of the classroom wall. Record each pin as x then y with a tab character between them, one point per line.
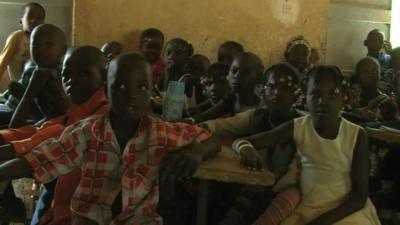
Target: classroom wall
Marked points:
262	26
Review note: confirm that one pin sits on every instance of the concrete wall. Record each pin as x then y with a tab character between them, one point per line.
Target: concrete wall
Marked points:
262	26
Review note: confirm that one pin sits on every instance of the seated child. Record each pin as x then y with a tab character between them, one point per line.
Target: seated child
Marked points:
198	65
297	54
112	49
112	154
151	45
373	104
228	51
216	86
333	154
374	44
83	78
52	102
177	54
394	67
281	90
244	75
16	51
44	57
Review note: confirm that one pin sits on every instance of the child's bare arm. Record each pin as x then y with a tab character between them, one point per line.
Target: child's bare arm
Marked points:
212	113
359	185
247	146
15	168
38	80
185	161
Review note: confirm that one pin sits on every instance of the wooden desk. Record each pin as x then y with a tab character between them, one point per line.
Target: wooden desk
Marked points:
226	168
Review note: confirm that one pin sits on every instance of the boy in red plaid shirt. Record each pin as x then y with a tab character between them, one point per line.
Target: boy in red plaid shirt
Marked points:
118	151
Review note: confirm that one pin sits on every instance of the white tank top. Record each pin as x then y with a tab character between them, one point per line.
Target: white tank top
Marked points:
325	162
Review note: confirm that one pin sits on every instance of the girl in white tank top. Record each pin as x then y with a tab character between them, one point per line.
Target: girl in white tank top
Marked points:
333	155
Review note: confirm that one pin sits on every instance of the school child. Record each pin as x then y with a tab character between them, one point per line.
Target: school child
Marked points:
197	66
388	75
52	102
228	51
374	44
177	54
374	104
83	79
281	91
112	49
151	45
45	58
120	150
244	75
16	51
297	54
333	154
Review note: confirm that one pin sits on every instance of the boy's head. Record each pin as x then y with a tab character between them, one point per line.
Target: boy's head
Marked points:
129	86
215	82
298	53
198	65
228	51
83	73
326	91
33	14
177	53
367	73
112	49
374	41
151	44
47	45
281	87
395	59
245	72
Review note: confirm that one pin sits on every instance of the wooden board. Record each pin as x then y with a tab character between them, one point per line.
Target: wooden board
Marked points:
226	167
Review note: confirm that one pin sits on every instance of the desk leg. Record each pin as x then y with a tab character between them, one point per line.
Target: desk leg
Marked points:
202	196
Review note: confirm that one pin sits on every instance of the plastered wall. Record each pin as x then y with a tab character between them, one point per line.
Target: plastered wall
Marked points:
262	26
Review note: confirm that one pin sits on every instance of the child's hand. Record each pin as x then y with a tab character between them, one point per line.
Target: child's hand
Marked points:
181	164
251	159
387	46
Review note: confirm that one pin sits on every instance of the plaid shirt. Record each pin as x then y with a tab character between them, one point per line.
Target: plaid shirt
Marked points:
106	169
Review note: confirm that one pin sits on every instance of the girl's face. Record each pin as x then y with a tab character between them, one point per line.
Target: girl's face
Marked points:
299	57
324	98
280	92
242	74
176	55
368	74
395	62
217	86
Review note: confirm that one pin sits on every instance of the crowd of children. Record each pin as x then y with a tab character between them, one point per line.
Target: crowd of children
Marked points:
89	124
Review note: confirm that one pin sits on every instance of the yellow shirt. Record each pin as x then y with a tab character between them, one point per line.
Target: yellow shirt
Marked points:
14	55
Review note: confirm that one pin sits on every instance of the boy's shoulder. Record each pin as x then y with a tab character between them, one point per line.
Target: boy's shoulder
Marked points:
17	35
